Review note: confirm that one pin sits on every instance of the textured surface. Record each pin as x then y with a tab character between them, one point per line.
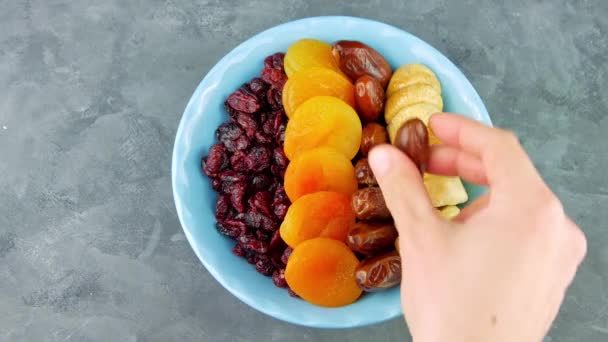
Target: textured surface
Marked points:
91	95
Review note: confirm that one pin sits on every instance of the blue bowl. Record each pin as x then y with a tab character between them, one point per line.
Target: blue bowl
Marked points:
195	200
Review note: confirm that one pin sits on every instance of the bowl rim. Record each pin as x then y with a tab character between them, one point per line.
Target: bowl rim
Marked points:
187	116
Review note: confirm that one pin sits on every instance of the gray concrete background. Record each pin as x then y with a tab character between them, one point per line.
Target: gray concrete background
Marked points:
91	93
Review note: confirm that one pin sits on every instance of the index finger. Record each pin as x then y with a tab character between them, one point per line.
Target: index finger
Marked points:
503	158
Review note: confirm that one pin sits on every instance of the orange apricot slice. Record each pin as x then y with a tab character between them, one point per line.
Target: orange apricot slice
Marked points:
306	53
322	272
320	169
320	214
323	121
316	81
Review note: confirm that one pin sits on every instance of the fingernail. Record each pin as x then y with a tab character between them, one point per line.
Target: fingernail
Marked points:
380	160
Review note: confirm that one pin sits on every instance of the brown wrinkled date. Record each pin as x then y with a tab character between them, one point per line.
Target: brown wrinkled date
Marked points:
412	138
373	134
364	173
371	238
368	205
369	96
379	272
357	59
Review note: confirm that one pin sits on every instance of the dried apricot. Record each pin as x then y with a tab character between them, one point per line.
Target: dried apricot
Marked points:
320	169
322	272
320	214
316	81
323	121
306	53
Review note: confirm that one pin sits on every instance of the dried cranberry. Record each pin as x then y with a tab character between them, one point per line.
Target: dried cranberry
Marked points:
265	267
280	209
280	135
247	123
222	207
278	278
250	258
280	158
237	193
276	241
237	161
242	143
231	228
238	250
278	120
216	161
258	221
274	98
244	100
258	87
261	202
258	158
216	184
280	195
274	61
276	78
286	255
268	124
293	294
262	138
232	136
251	243
232	176
260	182
231	111
262	235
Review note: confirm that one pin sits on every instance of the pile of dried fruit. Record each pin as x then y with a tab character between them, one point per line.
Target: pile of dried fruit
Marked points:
289	193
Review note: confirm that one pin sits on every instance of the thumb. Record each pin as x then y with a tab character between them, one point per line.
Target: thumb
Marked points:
404	193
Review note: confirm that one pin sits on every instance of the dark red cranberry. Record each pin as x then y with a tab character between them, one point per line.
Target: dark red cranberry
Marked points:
232	176
274	61
232	136
216	184
244	100
242	143
258	221
258	158
262	235
268	124
276	78
280	134
260	182
238	250
276	242
237	194
274	98
280	209
237	161
258	87
262	138
247	123
250	258
286	255
278	120
216	161
231	228
253	244
261	202
278	278
265	267
222	207
280	158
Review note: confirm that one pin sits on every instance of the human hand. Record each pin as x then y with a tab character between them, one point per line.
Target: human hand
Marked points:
500	270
